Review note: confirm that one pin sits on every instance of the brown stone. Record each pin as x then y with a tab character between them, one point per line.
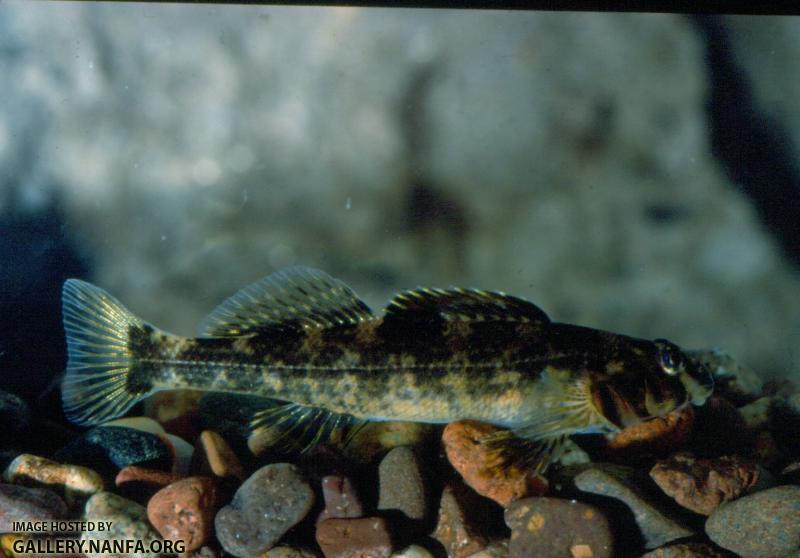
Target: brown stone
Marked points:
213	456
367	537
557	528
184	511
701	485
459	537
341	499
483	468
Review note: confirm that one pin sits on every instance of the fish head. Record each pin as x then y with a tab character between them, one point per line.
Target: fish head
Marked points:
655	379
695	377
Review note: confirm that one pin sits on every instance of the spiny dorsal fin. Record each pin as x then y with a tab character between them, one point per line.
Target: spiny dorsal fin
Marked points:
295	429
295	297
464	304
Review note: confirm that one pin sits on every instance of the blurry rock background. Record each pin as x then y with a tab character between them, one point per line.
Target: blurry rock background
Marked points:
179	152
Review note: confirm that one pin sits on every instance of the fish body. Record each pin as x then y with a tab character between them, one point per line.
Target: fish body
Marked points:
304	341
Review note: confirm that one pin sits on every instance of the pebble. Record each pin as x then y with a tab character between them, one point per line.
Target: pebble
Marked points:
761	525
270	502
685	550
21	503
184	511
73	482
701	485
482	469
401	485
341	499
367	537
656	525
413	551
214	456
557	528
15	416
459	537
106	449
128	521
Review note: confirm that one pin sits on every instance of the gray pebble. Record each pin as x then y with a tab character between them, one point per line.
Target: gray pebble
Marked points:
762	525
655	524
401	484
269	503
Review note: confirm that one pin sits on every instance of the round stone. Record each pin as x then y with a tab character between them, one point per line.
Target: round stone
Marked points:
269	503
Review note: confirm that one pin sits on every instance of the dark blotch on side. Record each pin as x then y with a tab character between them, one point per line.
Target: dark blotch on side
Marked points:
143	346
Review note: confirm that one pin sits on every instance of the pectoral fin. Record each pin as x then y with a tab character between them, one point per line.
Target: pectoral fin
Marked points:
564	406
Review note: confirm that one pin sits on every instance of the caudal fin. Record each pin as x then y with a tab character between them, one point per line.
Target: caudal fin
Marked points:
96	385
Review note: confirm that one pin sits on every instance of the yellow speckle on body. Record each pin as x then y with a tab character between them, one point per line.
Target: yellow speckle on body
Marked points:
535	523
588	514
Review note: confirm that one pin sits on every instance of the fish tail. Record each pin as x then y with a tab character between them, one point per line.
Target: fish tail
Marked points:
101	380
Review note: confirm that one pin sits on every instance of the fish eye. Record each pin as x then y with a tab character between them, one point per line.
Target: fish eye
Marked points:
669	357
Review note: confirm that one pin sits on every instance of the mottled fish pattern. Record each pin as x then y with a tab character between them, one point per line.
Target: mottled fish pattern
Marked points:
305	342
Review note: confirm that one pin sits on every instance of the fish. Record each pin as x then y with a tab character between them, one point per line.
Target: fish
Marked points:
326	365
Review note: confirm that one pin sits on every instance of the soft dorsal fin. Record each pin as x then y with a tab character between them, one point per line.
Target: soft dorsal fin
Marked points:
295	297
464	304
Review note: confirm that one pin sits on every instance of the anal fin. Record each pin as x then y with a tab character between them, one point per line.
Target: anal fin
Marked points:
289	428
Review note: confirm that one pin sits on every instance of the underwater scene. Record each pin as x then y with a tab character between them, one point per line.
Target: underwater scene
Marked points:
340	282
